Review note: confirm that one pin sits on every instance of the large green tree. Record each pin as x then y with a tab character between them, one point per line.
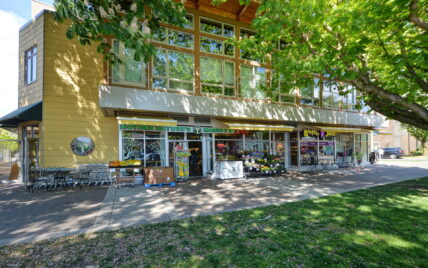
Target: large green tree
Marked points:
378	46
420	134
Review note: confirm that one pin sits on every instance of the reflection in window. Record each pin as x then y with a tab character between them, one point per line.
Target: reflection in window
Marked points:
215	46
309	95
217	76
174	38
216	28
146	146
281	92
129	71
253	82
173	70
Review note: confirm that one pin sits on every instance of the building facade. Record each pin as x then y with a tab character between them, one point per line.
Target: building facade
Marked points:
198	93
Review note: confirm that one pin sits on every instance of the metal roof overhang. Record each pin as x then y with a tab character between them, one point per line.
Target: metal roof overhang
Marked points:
32	112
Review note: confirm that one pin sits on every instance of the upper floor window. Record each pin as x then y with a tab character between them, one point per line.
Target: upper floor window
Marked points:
189	23
310	94
174	38
349	100
216	28
281	92
30	65
253	82
245	53
330	95
129	71
173	70
217	76
215	46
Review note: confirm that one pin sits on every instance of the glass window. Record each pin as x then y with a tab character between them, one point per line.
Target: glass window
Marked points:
253	82
216	28
174	38
280	91
217	76
257	142
129	71
148	146
309	95
215	46
246	54
173	70
189	23
330	95
30	67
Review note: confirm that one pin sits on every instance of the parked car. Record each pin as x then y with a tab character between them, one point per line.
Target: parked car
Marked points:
392	152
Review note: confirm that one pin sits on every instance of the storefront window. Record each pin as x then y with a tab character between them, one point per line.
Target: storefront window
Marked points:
361	146
344	148
257	142
229	147
146	146
279	146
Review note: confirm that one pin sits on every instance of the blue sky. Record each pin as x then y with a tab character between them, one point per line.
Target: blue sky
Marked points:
13	14
22	8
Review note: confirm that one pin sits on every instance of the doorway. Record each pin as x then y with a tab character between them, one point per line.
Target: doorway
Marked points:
195	159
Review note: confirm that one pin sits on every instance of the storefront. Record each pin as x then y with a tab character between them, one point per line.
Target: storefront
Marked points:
157	143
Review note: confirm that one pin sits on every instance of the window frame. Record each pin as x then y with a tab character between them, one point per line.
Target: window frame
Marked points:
32	67
123	81
223	85
277	91
222	27
166	42
313	99
222	49
167	78
266	82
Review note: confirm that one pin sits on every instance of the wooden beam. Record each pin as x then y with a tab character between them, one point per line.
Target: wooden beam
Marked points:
241	11
197	4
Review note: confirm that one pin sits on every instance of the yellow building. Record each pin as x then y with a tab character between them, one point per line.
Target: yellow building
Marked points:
197	94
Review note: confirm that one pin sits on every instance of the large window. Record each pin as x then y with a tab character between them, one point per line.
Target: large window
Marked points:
129	71
214	46
253	82
30	71
147	146
309	95
216	28
229	147
246	54
174	38
281	92
217	76
330	95
173	70
362	147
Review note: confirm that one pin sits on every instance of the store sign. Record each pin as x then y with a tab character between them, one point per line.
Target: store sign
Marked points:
316	133
177	129
82	146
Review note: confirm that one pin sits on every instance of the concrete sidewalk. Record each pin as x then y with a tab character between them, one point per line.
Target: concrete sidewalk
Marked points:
133	206
28	217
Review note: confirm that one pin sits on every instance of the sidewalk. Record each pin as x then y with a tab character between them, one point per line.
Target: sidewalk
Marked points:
42	215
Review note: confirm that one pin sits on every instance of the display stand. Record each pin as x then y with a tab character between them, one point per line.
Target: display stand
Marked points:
228	170
126	175
181	165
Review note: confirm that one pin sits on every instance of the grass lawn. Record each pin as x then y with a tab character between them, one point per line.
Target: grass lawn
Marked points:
385	226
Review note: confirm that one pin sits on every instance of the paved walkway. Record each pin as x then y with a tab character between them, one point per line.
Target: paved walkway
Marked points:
28	216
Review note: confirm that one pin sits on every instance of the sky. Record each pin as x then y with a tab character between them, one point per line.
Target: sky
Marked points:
13	14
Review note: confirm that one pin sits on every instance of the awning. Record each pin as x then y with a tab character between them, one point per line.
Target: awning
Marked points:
241	126
345	130
32	112
147	121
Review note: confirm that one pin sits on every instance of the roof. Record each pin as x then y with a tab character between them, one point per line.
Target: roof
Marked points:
32	112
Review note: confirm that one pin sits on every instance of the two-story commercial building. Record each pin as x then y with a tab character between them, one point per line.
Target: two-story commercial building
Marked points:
197	93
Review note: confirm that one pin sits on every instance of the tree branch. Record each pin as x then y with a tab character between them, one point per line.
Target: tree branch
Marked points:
413	16
413	74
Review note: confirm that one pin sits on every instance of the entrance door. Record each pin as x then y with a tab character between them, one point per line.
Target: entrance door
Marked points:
195	158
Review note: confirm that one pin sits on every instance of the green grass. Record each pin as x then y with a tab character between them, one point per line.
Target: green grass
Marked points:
385	226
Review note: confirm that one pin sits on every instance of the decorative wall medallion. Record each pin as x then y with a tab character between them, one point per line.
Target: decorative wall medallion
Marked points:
82	146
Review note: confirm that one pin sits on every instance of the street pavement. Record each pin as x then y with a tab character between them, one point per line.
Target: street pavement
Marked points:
27	217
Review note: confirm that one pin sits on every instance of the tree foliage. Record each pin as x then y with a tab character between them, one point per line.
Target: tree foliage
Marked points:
420	134
380	47
132	22
12	146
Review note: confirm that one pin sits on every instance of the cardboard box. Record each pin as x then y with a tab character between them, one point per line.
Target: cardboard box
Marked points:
156	175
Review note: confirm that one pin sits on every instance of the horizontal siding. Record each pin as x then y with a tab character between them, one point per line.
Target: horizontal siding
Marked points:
72	76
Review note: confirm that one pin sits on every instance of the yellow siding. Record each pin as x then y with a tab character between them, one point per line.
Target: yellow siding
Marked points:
72	75
29	36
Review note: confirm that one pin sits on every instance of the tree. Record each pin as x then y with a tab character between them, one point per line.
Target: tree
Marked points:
7	141
379	47
420	134
132	22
